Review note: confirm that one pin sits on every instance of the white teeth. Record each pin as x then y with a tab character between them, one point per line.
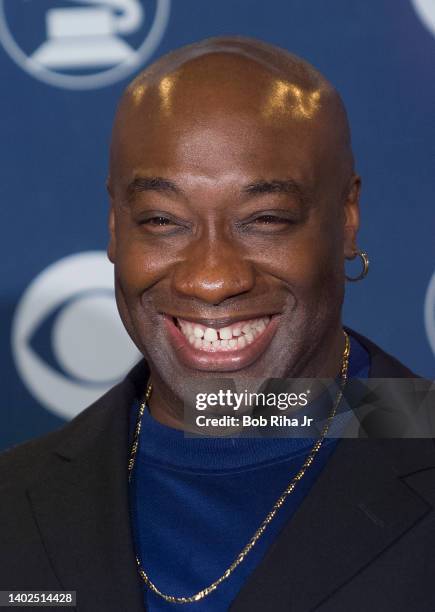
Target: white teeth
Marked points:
198	332
249	337
228	338
225	333
261	326
210	334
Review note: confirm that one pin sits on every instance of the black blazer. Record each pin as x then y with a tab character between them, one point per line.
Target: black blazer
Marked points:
363	540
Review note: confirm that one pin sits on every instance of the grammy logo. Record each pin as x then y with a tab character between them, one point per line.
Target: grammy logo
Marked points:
87	37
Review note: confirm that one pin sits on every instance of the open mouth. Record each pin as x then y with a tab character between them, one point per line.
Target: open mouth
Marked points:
228	346
229	338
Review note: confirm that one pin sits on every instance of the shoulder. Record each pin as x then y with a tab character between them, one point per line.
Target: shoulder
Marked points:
105	416
26	458
382	364
24	462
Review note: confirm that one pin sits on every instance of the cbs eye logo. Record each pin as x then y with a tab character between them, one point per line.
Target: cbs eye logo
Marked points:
68	340
87	43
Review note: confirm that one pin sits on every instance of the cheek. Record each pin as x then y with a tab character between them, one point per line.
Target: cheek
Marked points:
138	269
139	266
305	261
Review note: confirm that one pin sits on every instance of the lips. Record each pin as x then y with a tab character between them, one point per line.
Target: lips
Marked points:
215	347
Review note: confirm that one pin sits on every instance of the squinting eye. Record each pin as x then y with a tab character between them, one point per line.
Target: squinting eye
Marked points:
162	225
159	221
270	219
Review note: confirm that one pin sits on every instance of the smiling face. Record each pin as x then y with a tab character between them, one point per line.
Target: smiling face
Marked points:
233	207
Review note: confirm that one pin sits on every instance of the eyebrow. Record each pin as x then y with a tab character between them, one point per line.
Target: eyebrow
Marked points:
163	185
152	183
288	186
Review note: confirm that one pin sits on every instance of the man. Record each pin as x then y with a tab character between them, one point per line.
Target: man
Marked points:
234	204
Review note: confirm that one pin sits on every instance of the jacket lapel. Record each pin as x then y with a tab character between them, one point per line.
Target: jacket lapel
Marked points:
81	508
357	507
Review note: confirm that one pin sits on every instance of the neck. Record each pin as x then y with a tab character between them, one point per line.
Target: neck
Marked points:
325	359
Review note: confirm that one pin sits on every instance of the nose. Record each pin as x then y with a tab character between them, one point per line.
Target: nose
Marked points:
212	271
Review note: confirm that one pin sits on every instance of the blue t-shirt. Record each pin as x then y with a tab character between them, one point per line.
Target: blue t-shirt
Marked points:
196	502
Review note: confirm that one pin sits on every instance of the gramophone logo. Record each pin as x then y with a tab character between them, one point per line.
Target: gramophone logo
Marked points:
87	46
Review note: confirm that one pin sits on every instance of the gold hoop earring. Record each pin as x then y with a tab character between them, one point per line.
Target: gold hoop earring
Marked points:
365	262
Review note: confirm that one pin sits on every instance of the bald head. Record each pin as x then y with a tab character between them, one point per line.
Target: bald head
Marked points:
228	77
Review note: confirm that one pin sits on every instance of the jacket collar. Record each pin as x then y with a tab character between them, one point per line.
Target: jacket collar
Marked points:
369	494
357	508
382	365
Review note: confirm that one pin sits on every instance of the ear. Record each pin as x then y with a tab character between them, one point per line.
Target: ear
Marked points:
351	217
111	247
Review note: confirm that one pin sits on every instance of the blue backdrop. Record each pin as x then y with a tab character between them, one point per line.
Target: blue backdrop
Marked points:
63	66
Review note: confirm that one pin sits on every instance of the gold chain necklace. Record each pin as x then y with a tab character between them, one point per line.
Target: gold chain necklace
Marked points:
272	513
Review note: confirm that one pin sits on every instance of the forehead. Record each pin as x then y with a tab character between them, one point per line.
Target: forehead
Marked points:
224	115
